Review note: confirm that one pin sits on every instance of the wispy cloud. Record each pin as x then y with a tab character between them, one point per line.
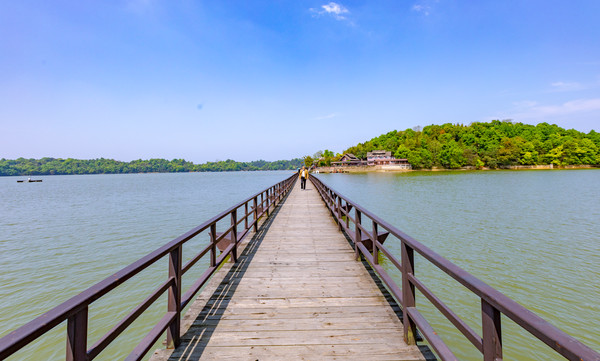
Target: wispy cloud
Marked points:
560	86
335	10
530	110
424	7
329	116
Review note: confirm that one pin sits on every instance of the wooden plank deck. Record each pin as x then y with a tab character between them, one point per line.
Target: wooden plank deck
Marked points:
297	293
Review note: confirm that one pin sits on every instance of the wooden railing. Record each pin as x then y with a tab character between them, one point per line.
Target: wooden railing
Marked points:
75	310
354	221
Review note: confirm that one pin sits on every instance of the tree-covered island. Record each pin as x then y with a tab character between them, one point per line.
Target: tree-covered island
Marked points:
482	145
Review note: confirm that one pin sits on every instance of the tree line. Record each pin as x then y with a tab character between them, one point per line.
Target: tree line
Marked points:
492	145
51	166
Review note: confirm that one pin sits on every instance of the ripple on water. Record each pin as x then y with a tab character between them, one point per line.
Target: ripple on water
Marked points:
534	236
73	231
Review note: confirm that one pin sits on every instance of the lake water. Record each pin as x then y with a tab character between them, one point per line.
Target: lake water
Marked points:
65	234
534	235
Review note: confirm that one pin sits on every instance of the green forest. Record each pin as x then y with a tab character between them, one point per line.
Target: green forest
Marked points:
50	166
491	145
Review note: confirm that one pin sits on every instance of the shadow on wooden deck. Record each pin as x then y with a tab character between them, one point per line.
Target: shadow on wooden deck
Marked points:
195	339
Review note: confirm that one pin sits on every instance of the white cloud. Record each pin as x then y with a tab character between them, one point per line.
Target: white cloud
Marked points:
560	86
329	116
528	110
337	11
424	7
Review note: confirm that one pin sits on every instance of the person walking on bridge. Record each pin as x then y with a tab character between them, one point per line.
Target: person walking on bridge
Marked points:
303	177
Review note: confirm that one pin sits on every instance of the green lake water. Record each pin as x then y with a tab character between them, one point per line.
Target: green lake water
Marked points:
63	235
533	235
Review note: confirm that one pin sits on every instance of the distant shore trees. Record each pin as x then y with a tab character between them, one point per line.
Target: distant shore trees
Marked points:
58	166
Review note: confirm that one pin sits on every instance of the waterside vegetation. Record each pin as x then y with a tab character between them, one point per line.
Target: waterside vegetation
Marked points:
58	166
485	145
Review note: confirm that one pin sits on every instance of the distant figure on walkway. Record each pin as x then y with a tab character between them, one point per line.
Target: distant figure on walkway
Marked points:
303	177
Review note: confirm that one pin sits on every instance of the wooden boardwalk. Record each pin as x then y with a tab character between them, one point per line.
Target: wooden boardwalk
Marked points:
297	293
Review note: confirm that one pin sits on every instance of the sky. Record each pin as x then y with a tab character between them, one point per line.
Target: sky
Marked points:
249	80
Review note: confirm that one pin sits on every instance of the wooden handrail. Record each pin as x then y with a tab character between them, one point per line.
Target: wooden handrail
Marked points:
493	301
75	310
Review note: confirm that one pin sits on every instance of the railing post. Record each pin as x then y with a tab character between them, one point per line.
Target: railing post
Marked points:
234	257
374	239
246	216
213	245
255	214
334	204
339	212
347	215
268	204
77	326
174	302
408	292
492	332
357	234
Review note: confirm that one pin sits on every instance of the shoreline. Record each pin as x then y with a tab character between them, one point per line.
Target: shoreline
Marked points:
380	169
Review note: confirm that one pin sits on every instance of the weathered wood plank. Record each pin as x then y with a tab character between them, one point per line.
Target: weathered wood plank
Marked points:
307	352
302	302
300	337
308	323
364	312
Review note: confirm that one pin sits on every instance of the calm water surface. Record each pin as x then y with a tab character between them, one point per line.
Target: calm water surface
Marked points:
67	233
535	236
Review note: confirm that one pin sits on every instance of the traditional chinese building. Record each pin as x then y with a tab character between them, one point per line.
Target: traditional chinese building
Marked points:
348	159
382	157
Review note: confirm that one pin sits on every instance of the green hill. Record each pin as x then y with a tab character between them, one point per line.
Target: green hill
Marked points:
493	144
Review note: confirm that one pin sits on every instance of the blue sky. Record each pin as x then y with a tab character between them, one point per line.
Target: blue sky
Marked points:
247	80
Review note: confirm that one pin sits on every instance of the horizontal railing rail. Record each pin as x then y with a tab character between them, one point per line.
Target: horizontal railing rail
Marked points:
353	220
75	310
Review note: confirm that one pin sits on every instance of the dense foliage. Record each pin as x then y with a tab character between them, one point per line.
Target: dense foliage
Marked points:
494	144
47	166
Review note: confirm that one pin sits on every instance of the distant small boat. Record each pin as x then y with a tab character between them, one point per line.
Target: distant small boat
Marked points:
29	180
